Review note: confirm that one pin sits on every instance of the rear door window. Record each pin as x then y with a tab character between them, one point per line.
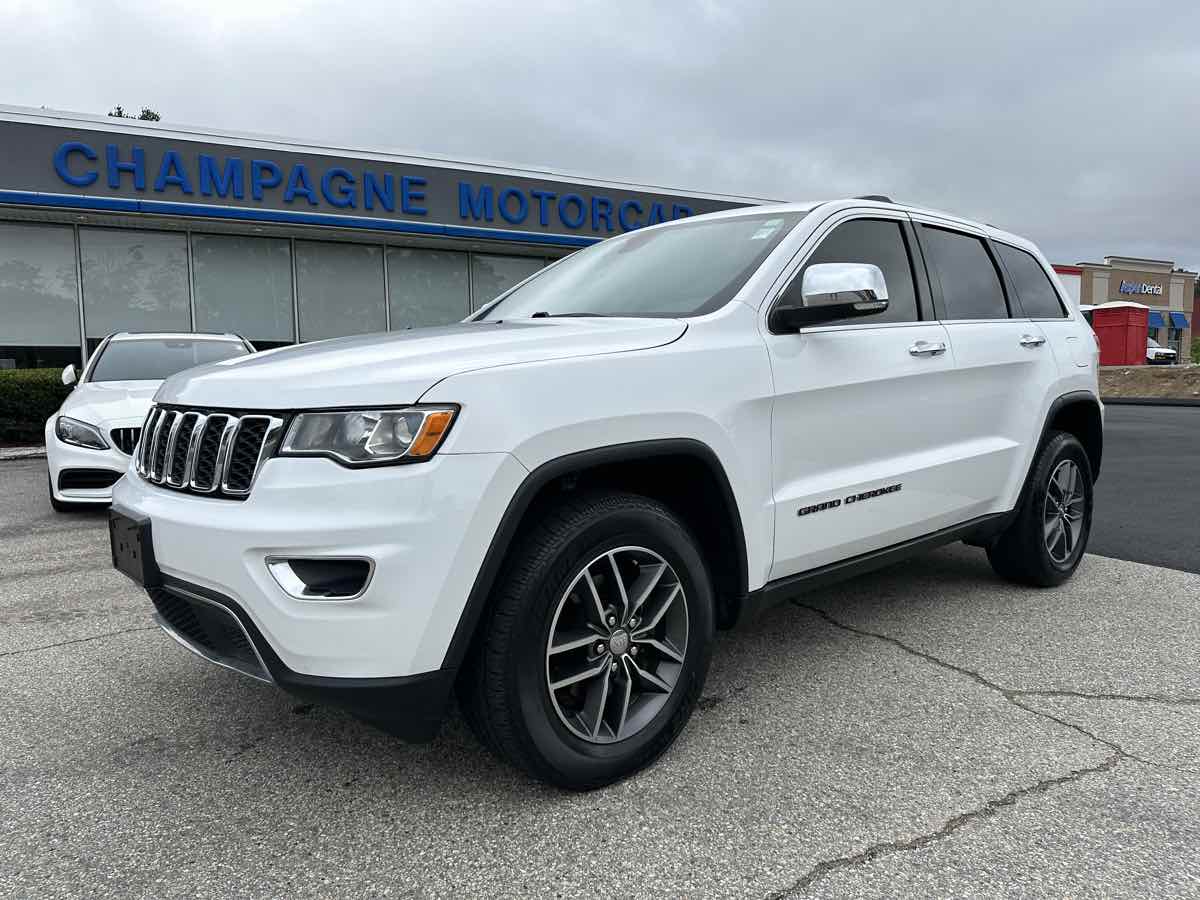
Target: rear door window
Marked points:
1039	299
877	241
962	266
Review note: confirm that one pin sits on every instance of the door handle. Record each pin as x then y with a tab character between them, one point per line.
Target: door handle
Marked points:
927	348
1032	340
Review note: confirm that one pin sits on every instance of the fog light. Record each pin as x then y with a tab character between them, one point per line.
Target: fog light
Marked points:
322	577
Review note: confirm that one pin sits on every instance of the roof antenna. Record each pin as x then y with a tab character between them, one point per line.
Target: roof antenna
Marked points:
878	198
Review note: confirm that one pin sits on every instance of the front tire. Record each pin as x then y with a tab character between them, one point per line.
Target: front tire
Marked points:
595	648
1044	543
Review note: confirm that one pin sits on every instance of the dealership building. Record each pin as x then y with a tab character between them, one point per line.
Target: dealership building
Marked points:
112	225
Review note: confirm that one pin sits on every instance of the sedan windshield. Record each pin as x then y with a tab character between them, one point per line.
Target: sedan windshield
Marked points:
684	270
153	359
1151	342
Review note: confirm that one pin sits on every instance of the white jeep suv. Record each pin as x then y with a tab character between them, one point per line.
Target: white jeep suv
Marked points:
551	506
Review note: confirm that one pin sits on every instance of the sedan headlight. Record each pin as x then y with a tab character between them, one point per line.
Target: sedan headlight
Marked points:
365	437
81	434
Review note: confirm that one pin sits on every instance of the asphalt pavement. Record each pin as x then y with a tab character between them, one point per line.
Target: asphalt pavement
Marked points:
927	730
1148	496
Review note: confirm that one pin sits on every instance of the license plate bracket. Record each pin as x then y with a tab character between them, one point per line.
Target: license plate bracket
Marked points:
133	549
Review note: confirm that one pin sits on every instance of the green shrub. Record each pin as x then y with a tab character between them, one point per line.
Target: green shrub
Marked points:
1196	350
28	397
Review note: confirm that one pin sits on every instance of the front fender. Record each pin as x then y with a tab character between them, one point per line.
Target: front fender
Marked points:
712	386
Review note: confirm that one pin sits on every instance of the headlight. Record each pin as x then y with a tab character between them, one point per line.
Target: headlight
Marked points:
81	434
365	437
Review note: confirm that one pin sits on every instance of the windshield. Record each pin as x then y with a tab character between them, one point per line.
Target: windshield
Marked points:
684	270
154	360
1151	342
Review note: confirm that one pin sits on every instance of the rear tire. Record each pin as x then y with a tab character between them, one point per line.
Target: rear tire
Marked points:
566	605
1044	543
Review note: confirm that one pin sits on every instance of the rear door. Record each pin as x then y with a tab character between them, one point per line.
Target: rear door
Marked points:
1005	365
1040	301
862	407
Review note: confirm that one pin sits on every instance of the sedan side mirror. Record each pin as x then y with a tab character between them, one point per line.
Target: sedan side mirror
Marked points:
68	375
831	291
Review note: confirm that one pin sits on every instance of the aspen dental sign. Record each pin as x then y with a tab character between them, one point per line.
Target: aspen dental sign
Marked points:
126	171
1135	287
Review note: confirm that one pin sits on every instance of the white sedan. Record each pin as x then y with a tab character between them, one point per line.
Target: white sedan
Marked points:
90	438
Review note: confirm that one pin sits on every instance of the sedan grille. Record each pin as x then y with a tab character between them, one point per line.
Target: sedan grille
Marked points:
214	453
125	439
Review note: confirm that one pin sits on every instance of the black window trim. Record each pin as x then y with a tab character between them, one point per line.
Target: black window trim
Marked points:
1063	306
935	283
922	284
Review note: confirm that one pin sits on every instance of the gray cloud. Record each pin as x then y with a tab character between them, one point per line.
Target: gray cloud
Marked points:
1071	122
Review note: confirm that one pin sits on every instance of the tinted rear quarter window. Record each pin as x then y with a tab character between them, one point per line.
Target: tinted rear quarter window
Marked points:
1038	298
971	287
880	242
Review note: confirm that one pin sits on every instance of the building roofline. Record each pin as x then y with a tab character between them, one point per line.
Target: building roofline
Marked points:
92	122
1141	259
1186	273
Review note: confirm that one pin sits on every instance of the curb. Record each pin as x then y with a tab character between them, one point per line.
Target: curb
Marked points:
7	453
1147	401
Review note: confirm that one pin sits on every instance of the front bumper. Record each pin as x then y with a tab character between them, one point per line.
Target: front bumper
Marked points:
425	526
217	629
67	459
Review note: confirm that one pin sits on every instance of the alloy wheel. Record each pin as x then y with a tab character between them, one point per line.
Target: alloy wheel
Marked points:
1063	512
617	644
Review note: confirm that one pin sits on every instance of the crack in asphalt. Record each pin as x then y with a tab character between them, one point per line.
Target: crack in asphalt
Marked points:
70	568
1131	698
1012	695
25	531
991	807
83	640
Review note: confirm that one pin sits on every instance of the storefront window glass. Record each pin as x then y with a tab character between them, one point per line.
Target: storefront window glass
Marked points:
243	285
340	289
39	301
133	281
427	287
493	275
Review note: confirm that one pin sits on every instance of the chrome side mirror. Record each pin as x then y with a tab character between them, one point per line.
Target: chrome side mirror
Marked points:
68	375
830	291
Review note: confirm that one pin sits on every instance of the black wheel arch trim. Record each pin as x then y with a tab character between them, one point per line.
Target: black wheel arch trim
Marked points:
563	466
1072	398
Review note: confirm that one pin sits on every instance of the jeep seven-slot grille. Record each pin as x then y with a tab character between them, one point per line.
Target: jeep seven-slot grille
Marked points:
125	439
215	453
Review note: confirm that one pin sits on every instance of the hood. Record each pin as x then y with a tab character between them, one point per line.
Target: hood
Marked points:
110	402
387	369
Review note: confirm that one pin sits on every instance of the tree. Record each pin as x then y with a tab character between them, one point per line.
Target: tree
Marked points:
146	115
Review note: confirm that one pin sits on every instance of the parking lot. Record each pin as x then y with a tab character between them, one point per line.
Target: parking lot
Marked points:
926	730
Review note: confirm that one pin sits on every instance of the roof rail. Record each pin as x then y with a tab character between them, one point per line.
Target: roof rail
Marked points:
878	198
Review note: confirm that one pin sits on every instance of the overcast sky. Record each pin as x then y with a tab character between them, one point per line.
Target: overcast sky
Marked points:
1073	123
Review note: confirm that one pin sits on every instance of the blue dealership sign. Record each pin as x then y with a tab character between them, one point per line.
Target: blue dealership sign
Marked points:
147	173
